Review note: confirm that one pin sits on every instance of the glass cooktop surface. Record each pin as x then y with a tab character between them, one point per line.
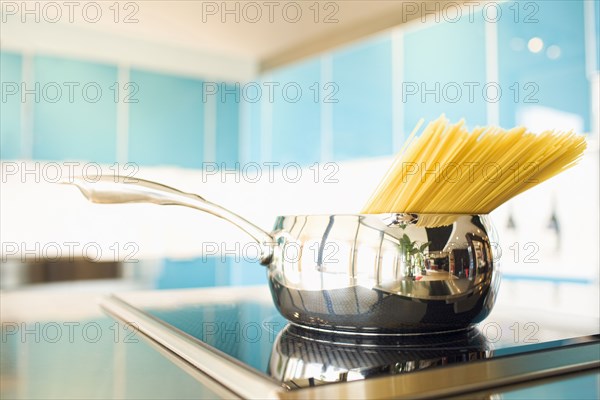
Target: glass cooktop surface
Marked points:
243	326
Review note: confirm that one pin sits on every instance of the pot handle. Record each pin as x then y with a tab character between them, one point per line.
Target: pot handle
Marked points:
121	189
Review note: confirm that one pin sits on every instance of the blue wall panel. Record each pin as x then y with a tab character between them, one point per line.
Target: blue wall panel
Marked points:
166	125
10	106
228	125
189	273
446	58
210	271
80	125
362	119
553	81
254	132
597	32
296	122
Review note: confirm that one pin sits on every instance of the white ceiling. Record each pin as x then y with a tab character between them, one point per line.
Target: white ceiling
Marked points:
189	24
204	31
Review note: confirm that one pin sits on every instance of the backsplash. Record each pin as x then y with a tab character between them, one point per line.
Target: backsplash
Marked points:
523	65
352	107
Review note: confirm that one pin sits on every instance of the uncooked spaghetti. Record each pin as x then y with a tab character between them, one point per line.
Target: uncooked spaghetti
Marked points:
448	169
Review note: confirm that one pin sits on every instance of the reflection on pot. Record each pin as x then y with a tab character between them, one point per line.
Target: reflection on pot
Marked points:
392	273
303	357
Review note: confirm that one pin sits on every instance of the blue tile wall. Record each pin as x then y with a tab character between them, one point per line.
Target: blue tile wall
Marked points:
10	106
228	125
188	273
296	114
446	58
81	127
254	137
166	125
167	121
597	31
559	83
362	119
210	271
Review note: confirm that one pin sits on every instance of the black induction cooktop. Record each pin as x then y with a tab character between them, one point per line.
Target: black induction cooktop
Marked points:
237	337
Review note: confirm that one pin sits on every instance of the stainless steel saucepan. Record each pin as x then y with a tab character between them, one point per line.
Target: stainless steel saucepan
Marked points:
370	274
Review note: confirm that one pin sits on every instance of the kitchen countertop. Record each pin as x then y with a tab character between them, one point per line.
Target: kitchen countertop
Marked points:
60	345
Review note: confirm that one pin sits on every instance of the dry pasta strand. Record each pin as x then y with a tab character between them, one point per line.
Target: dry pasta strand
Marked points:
449	170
